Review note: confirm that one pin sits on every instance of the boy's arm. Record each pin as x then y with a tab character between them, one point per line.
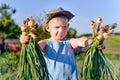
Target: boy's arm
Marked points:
42	44
83	42
80	42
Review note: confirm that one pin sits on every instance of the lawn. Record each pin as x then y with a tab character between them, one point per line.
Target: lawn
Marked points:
112	44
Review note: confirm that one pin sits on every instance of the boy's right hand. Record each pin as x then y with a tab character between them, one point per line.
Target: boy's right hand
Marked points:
24	38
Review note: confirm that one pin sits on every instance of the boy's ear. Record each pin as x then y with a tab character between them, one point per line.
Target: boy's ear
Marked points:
68	25
47	28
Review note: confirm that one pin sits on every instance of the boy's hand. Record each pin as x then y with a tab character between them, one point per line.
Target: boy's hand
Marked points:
24	38
102	46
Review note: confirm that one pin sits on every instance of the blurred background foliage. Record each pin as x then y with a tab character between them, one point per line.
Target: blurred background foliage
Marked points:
8	27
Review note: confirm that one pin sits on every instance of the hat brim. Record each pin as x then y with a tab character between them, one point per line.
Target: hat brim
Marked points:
66	13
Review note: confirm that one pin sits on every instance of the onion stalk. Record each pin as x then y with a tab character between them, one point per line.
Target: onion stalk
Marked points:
32	65
96	65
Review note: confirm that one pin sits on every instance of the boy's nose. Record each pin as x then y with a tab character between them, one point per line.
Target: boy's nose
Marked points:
61	29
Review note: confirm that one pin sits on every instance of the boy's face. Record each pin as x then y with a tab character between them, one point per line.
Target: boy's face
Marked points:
58	28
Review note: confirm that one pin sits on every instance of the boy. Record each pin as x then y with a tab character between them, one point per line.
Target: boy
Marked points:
58	50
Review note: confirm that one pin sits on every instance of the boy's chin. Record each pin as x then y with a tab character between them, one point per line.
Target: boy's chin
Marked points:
59	39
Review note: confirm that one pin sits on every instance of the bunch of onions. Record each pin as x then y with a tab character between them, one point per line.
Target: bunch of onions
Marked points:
96	65
32	65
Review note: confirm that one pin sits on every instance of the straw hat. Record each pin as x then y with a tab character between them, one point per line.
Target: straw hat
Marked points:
55	11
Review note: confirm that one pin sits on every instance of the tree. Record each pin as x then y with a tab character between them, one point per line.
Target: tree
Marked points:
42	34
71	33
8	27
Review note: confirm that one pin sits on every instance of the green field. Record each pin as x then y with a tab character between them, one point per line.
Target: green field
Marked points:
113	44
8	61
112	51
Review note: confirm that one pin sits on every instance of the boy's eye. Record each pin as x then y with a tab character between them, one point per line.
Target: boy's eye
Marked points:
56	27
65	27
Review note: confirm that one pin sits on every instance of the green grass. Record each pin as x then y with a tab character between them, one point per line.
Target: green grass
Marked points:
112	44
8	65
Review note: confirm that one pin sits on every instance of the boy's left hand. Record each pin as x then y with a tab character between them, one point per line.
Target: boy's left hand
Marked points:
102	46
